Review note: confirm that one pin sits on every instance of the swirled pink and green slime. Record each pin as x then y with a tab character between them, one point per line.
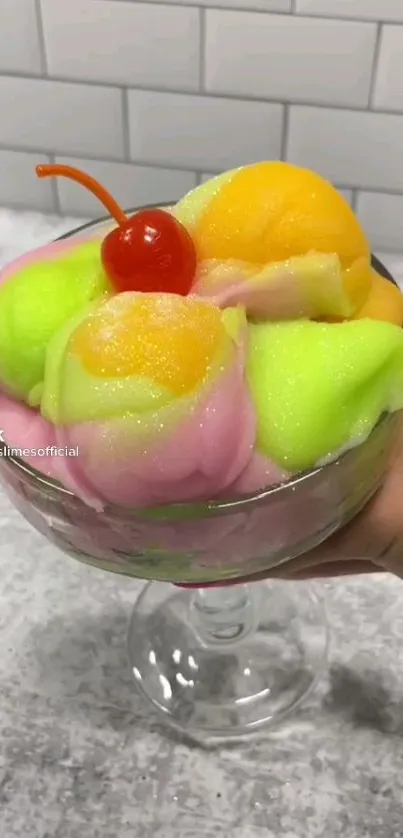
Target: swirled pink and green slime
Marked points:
285	350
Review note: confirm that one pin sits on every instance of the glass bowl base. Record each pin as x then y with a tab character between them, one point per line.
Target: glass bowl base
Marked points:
226	661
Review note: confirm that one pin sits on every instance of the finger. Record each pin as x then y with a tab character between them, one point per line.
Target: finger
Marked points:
335	569
326	570
311	564
366	539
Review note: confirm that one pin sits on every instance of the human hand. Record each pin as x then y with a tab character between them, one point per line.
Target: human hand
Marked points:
371	543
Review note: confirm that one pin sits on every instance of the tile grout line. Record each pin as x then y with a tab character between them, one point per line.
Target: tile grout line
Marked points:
41	37
55	189
285	133
279	12
126	124
174	167
375	65
191	169
202	48
210	94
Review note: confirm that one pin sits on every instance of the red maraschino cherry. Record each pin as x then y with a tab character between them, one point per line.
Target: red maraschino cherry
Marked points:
151	251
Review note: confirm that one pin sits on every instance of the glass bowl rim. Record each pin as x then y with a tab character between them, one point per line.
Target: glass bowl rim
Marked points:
199	508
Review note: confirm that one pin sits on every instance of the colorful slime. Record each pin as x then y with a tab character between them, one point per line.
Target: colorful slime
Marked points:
287	349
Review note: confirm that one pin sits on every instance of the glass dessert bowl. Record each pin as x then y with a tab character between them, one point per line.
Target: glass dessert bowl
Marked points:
219	659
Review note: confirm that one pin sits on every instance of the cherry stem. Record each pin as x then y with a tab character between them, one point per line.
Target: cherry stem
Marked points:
90	183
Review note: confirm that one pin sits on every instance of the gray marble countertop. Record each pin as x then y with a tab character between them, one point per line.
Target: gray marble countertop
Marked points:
82	757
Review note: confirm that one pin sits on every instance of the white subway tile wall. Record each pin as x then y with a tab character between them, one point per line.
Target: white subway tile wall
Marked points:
153	97
123	43
381	216
40	114
130	185
18	187
355	148
19	38
262	5
388	92
285	57
198	131
360	9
